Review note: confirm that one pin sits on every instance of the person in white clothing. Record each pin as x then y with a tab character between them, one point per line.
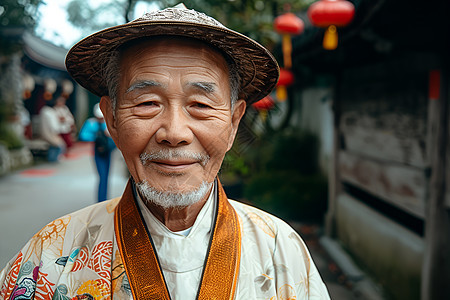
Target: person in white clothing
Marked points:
66	121
50	131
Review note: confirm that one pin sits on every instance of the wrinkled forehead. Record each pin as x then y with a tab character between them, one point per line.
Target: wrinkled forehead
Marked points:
175	42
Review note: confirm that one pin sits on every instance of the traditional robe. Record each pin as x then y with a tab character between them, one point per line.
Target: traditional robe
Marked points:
77	257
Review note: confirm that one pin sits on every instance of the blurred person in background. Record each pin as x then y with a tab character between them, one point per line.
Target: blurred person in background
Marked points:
94	130
66	121
50	130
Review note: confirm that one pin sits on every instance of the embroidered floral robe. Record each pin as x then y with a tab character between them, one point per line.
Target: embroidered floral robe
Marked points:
76	257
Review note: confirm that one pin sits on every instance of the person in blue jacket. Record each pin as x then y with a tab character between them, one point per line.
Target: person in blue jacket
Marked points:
94	130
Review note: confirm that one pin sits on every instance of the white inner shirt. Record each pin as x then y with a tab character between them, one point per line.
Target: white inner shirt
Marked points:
182	254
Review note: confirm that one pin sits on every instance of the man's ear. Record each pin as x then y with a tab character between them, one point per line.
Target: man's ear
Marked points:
237	114
108	114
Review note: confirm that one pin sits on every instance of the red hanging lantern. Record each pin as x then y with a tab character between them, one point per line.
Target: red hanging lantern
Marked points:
265	103
287	25
331	14
286	79
263	106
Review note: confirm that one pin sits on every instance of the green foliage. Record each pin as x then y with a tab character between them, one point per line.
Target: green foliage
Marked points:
90	18
284	177
18	13
9	138
235	164
15	17
294	151
289	194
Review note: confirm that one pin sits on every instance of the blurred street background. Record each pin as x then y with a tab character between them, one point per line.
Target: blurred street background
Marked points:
352	147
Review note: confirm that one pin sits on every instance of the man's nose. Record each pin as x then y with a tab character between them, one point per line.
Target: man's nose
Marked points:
174	129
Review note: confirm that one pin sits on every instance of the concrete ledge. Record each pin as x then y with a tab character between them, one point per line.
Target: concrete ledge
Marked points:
389	252
341	257
363	287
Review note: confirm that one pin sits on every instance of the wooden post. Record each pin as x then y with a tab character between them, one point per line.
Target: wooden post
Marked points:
436	263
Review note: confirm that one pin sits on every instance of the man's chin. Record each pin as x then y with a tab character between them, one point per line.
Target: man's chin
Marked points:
172	197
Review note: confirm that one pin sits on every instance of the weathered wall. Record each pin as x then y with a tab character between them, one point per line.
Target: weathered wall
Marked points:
384	132
383	154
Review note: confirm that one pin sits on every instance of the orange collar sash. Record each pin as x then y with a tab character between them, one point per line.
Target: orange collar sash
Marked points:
220	272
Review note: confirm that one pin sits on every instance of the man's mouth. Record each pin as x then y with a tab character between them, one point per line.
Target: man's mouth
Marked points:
173	165
174	159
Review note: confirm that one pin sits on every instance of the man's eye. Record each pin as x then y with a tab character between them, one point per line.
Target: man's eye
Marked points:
201	105
147	103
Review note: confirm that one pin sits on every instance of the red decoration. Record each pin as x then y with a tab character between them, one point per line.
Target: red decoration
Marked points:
99	262
263	106
265	103
288	24
286	79
331	14
434	86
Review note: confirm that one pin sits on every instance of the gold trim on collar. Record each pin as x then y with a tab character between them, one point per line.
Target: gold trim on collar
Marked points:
140	259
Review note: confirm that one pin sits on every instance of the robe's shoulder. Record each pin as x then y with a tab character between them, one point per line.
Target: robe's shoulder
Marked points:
102	208
269	234
273	259
96	211
254	217
89	225
67	245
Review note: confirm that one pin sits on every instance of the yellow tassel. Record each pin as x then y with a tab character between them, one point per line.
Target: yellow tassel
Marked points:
330	39
281	93
263	115
287	50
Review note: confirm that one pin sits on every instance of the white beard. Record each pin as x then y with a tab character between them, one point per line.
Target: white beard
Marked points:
170	198
167	199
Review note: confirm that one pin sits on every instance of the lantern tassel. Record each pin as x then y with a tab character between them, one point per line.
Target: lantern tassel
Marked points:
287	50
281	93
263	115
330	39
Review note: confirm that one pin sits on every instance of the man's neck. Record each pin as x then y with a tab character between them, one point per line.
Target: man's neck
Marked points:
177	219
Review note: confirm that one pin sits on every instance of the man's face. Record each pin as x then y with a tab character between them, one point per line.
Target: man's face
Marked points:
173	119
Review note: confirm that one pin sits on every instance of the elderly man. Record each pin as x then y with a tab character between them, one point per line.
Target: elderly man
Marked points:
174	86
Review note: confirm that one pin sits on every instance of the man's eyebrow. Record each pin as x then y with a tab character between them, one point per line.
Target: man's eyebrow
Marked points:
208	87
142	84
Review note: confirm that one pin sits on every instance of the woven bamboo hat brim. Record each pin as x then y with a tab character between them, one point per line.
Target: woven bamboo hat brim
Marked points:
257	67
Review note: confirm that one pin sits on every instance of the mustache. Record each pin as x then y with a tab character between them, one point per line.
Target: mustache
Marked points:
166	154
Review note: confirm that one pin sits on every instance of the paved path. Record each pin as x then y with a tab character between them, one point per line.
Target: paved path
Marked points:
31	198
